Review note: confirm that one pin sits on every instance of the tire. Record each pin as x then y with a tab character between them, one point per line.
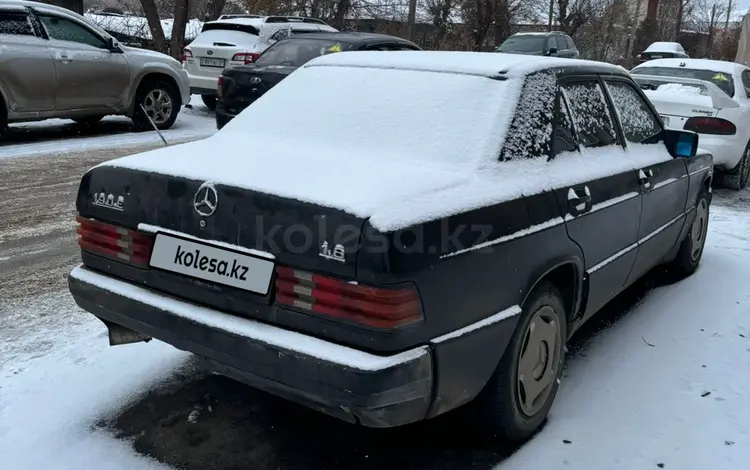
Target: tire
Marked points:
502	407
164	114
737	177
88	121
3	118
691	250
209	101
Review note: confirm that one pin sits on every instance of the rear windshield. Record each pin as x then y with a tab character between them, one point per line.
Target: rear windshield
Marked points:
245	28
658	55
224	38
297	52
722	80
523	44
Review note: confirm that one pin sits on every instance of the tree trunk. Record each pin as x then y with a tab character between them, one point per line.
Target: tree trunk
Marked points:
215	7
178	28
339	19
502	21
152	16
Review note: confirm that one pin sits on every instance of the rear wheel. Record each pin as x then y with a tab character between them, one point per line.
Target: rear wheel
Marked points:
3	117
161	104
737	178
515	402
691	249
209	101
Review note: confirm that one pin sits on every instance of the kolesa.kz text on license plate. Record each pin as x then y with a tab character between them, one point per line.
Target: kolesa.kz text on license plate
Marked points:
210	263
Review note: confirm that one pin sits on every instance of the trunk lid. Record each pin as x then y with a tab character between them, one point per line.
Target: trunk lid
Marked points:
241	86
260	224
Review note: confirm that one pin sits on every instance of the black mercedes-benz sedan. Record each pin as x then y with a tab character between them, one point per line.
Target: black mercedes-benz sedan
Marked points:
240	86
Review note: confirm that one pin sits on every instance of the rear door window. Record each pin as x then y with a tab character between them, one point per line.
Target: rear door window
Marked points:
15	24
592	117
639	124
564	134
63	29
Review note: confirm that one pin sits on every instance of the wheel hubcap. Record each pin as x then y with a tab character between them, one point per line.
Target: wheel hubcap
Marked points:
539	360
699	229
158	106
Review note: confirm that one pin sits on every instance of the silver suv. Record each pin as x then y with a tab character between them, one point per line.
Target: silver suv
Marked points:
55	63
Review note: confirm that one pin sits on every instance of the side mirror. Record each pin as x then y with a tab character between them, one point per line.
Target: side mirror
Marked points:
681	144
552	50
113	45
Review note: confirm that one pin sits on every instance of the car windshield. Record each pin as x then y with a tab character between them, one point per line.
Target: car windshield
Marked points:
720	79
297	52
526	43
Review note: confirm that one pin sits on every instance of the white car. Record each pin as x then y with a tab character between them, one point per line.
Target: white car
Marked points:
709	97
662	50
237	41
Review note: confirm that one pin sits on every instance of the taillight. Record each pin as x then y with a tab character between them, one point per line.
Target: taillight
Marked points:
369	306
710	125
114	242
219	86
186	54
246	57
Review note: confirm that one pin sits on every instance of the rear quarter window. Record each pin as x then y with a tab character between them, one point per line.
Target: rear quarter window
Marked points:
530	131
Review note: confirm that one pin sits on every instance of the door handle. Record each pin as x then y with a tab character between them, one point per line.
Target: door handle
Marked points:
577	203
644	177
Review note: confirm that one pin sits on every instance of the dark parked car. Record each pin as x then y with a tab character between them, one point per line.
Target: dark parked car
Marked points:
240	86
385	263
662	50
554	43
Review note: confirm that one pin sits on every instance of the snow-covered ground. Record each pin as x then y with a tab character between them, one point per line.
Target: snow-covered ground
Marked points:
197	122
667	386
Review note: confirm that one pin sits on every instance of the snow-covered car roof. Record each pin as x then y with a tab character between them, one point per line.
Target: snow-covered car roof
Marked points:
731	68
665	47
375	127
477	63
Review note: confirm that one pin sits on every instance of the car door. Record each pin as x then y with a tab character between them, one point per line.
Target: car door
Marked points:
663	186
601	213
27	74
88	75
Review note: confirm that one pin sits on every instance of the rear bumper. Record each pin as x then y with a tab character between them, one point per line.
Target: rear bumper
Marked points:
222	115
375	391
726	150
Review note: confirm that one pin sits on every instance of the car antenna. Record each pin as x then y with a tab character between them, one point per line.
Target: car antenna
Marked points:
154	126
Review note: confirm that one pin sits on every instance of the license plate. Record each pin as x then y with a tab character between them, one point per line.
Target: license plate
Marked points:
209	62
211	263
665	120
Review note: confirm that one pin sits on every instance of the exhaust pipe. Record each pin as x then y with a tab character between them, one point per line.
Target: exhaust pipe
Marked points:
118	335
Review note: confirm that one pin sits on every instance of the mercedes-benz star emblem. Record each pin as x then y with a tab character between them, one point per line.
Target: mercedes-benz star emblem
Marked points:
206	199
255	80
210	52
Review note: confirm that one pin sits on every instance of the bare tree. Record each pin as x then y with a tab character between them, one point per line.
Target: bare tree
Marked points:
179	24
154	24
